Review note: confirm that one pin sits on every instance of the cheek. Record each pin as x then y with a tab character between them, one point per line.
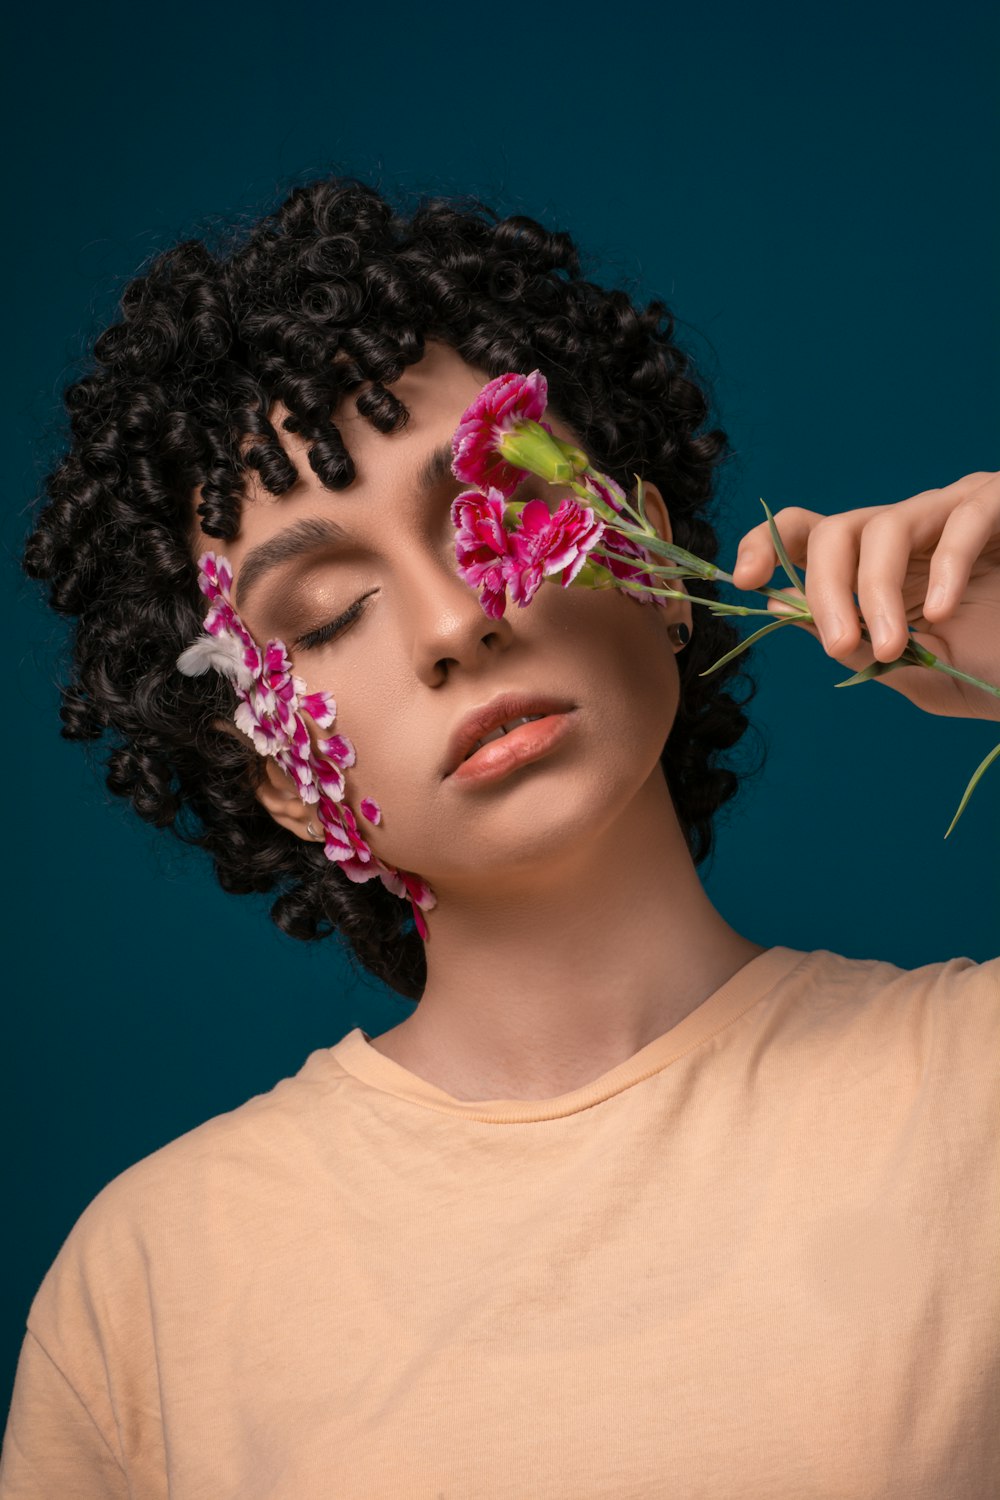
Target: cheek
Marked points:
388	764
648	668
629	662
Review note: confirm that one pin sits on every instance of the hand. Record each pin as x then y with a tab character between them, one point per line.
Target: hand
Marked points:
894	558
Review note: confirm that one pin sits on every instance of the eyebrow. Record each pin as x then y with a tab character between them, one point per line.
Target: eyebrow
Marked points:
436	467
313	532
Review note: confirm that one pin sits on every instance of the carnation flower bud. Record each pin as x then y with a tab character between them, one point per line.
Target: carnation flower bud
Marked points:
594	576
529	446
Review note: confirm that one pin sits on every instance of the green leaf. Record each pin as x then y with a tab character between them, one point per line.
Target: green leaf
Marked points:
640	500
877	669
779	547
775	625
983	766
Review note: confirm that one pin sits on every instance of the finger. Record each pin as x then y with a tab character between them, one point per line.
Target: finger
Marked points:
756	558
966	532
855	657
883	560
832	564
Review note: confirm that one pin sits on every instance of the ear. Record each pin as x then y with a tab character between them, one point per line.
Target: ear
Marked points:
279	795
276	791
674	610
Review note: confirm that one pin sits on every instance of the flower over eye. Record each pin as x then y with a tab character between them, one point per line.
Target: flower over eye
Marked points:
271	710
499	408
482	546
545	543
497	444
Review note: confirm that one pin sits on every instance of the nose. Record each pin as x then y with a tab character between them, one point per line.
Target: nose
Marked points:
447	624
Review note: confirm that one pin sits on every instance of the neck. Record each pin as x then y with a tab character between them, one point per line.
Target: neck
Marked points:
549	976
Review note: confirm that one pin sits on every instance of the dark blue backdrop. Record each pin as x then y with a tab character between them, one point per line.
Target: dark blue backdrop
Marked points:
816	196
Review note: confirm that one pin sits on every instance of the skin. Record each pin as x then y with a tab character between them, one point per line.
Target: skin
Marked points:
882	565
571	927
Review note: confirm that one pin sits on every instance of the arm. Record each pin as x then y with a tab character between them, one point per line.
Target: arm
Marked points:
53	1448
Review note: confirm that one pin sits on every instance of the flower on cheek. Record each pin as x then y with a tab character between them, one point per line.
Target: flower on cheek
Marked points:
271	710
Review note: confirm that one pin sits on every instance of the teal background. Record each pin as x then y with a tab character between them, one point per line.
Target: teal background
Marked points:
815	196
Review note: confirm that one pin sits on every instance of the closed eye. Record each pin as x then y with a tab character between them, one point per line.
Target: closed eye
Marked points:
325	633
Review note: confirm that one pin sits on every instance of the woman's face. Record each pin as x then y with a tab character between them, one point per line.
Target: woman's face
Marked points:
421	653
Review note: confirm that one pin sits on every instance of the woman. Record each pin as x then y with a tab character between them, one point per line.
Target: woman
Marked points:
630	1204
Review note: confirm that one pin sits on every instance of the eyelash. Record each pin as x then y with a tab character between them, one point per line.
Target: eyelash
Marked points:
325	633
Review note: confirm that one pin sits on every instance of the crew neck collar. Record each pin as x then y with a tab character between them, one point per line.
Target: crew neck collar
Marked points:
751	983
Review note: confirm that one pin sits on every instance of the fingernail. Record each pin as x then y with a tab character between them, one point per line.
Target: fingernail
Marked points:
831	631
936	596
879	632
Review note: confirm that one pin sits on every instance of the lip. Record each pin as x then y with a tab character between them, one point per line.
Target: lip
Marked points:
525	743
491	715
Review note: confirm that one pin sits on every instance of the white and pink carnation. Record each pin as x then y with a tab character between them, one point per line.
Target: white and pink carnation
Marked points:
272	708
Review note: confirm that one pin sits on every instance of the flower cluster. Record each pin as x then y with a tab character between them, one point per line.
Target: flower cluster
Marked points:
499	441
492	556
272	708
599	540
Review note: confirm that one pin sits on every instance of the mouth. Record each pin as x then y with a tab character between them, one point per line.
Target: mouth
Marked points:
496	726
527	741
500	732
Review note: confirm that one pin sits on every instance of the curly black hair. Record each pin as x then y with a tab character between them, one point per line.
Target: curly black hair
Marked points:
334	291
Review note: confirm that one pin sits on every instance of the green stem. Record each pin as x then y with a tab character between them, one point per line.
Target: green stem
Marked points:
744	645
640	500
608	512
681	572
715	605
920	656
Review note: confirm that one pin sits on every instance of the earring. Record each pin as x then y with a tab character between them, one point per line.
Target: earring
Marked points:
312	830
679	634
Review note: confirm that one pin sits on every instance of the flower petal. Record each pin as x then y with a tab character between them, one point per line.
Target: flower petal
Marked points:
501	403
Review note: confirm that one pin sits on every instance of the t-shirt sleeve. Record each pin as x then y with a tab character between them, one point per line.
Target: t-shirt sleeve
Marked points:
53	1448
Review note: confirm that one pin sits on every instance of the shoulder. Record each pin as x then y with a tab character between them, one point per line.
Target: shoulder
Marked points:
259	1136
184	1203
934	1028
872	986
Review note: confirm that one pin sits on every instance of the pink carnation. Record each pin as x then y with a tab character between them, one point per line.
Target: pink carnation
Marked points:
482	546
499	406
545	543
622	544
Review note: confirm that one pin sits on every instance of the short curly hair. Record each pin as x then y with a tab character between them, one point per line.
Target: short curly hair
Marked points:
334	291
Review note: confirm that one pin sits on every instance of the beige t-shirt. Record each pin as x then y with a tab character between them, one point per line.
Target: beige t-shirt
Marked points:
757	1259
